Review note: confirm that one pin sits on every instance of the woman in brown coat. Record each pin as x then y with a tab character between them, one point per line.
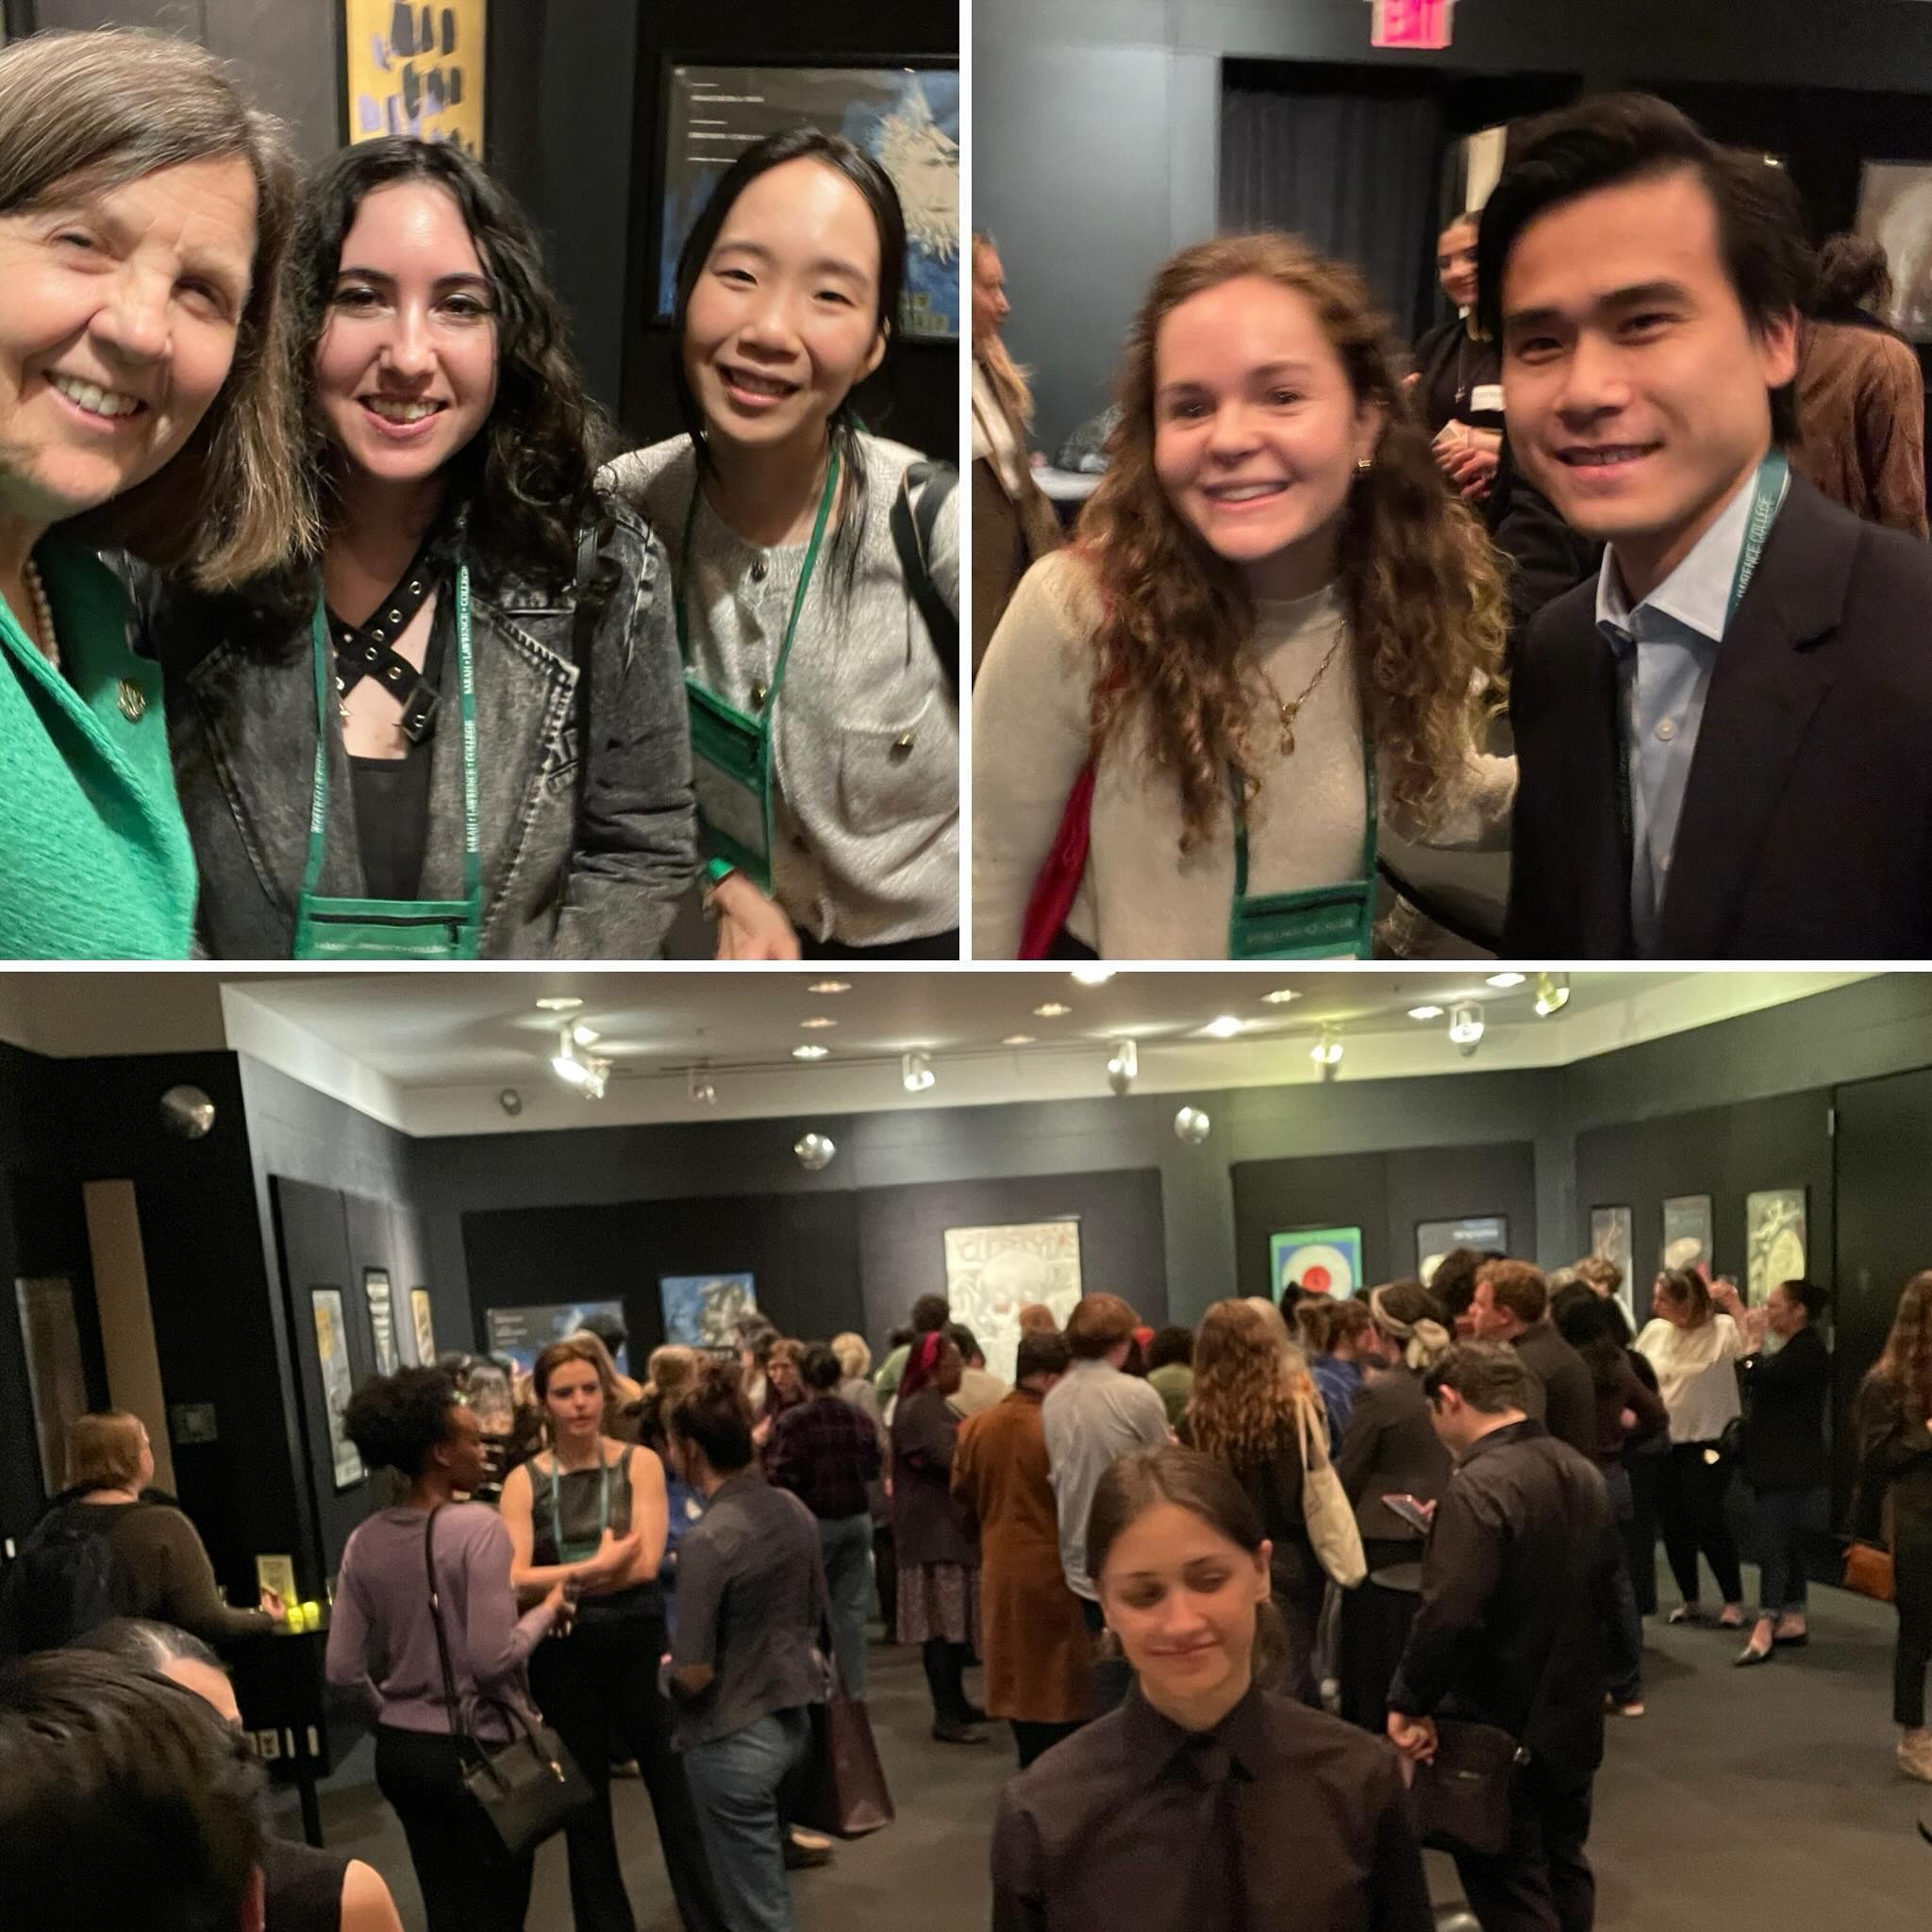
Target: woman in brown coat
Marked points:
1034	1637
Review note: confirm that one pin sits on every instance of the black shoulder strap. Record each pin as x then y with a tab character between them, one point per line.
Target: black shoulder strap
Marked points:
912	535
457	1728
583	634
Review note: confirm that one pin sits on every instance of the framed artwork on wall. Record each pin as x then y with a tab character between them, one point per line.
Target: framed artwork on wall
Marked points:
423	1323
1896	210
1611	1241
1434	1239
1323	1260
703	1311
992	1272
1687	1242
1775	1240
906	118
524	1334
56	1378
382	1320
415	69
338	1380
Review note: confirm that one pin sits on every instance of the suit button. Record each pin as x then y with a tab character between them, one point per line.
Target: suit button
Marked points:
133	701
759	571
760	693
902	746
1666	730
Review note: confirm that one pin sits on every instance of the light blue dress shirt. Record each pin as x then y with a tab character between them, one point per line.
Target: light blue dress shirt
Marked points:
1666	649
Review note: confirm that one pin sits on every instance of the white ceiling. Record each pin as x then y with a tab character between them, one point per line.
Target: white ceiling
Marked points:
431	1052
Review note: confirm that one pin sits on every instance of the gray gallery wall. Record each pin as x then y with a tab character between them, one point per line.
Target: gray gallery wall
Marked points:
1096	121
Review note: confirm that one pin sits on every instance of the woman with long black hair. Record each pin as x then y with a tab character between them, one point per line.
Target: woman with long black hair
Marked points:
820	644
456	728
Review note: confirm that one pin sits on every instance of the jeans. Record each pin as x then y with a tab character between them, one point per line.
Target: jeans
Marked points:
847	1545
1911	1563
420	1773
1542	1882
603	1678
736	1780
1782	1520
1624	1634
1690	1498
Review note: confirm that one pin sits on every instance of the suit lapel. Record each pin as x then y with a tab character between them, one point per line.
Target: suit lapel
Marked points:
1774	669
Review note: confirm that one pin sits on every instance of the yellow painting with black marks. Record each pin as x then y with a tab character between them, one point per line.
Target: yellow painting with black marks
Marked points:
416	69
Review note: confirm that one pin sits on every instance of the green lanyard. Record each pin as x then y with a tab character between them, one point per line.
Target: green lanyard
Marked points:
1317	923
328	928
575	1552
732	749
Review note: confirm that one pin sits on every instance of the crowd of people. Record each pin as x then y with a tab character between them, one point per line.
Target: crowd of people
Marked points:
1318	565
1370	1529
335	621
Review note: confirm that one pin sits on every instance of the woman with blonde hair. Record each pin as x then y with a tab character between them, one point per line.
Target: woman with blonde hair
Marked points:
1014	524
1276	630
156	1565
145	407
1250	1406
1893	1418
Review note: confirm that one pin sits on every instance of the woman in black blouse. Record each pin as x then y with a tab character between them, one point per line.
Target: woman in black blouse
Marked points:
1202	1800
1783	1460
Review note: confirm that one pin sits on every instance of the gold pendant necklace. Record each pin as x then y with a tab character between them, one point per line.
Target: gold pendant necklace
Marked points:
1290	709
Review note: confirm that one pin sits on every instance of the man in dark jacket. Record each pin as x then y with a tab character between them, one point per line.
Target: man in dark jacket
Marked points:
1718	740
1510	1632
1512	1305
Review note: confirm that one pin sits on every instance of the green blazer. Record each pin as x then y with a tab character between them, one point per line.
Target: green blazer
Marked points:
94	860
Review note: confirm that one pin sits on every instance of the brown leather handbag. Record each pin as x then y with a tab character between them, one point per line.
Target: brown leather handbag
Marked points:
1868	1571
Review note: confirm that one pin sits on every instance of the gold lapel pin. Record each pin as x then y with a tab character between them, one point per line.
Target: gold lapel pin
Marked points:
133	701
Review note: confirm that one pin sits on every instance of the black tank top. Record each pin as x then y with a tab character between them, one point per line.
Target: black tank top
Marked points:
302	1887
569	1512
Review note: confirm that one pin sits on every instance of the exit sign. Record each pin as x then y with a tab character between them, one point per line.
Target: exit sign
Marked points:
1422	23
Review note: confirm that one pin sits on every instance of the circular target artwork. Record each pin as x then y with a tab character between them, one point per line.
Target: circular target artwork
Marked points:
1325	1260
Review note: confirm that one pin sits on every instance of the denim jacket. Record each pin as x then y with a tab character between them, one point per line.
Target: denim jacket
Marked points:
562	883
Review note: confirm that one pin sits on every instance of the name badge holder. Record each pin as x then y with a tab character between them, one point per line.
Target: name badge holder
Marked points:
332	928
1316	923
731	750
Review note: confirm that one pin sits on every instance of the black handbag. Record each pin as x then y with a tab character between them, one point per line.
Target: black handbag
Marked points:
841	1787
1463	1796
523	1791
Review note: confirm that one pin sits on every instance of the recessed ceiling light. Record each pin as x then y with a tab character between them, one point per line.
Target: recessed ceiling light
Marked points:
585	1036
1225	1027
1503	982
1093	976
1052	1011
817	1020
1426	1012
559	1002
829	986
1280	996
1017	1039
809	1052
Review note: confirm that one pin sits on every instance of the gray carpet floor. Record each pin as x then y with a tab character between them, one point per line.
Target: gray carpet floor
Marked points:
1746	1801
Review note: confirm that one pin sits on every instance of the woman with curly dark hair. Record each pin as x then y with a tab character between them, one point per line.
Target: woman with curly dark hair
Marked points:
818	571
1255	1408
1276	630
1894	1419
458	730
383	1640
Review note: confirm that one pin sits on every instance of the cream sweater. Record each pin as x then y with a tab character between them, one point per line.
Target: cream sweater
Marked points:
1140	899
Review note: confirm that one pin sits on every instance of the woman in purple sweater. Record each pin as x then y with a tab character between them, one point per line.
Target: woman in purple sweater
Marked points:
381	1622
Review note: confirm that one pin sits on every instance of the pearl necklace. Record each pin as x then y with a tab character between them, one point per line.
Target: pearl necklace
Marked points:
48	640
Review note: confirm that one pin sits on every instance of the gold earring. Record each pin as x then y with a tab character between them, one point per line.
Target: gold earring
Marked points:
1364	465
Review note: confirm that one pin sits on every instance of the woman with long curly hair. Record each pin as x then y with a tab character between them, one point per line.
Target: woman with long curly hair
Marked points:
457	730
1893	1417
1251	1405
1276	630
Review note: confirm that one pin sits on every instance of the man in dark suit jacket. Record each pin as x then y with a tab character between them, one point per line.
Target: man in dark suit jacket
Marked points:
1721	739
1509	1632
1512	1305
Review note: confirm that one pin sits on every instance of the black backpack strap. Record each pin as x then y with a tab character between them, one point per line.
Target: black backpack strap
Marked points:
912	535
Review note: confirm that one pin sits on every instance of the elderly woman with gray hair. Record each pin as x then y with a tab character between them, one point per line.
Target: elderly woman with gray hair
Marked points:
1390	1450
145	408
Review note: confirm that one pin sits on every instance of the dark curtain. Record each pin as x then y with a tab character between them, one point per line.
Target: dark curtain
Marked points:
1352	175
